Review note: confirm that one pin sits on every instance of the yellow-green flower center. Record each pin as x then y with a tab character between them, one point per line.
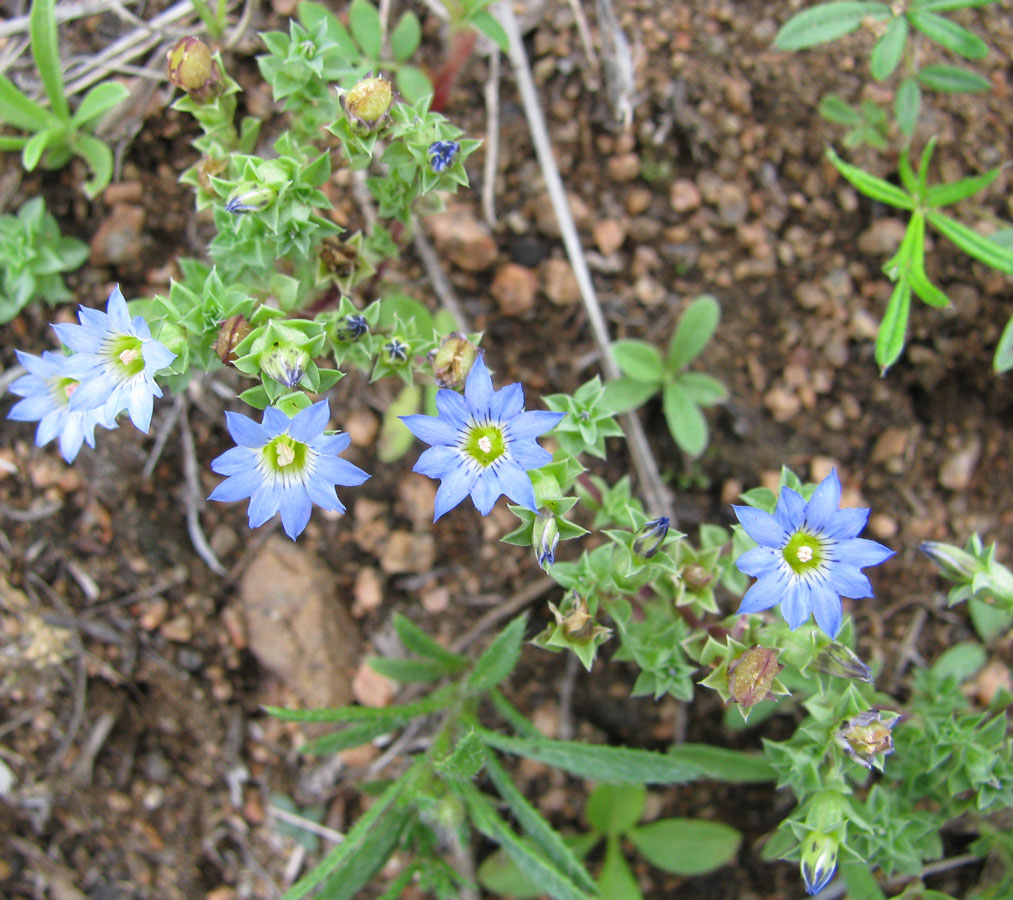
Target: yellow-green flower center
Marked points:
63	389
125	352
803	552
485	444
285	455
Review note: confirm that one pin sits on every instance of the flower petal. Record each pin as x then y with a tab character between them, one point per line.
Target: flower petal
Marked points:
324	495
478	389
334	470
762	527
264	503
238	486
431	429
861	552
790	510
507	402
234	460
826	607
310	422
759	561
456	485
453	408
515	483
795	605
823	503
529	455
765	593
846	523
295	510
437	462
486	491
275	422
116	309
532	423
848	581
245	432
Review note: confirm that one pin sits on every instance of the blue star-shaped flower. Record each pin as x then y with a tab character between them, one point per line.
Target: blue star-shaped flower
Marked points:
442	154
115	359
809	556
47	390
483	443
285	465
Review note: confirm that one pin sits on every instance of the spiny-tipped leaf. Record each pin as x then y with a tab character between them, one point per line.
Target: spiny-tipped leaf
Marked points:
826	22
599	762
950	35
972	243
890	339
541	833
945	194
46	50
638	360
906	106
952	80
887	51
686	846
416	640
696	327
499	658
870	185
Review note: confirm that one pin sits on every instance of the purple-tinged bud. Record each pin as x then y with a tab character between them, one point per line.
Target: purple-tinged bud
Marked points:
442	154
696	577
819	860
453	360
249	197
751	676
865	736
230	333
366	105
193	69
338	256
353	329
649	539
545	537
842	662
285	364
397	351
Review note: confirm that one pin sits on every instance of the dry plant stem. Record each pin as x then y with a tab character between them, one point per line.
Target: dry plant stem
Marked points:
491	140
328	834
164	430
192	494
506	609
656	495
64	12
585	34
437	277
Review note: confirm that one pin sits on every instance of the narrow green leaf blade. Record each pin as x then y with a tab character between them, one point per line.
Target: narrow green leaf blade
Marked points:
599	762
972	243
945	194
685	420
826	22
906	106
638	360
950	35
393	715
870	185
357	870
409	671
947	5
696	327
499	658
860	881
416	640
722	764
952	80
890	339
18	110
46	51
686	846
887	51
1003	359
544	836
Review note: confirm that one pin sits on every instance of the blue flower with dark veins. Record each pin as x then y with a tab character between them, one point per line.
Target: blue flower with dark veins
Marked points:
809	556
442	154
483	444
285	465
115	360
47	390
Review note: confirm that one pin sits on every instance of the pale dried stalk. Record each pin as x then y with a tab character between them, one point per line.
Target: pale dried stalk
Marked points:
657	496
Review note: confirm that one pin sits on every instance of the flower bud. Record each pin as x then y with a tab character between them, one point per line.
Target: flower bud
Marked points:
453	360
442	154
545	537
285	364
954	564
338	256
367	104
648	539
193	69
750	676
865	736
397	351
696	577
249	197
230	334
819	860
353	329
578	624
842	662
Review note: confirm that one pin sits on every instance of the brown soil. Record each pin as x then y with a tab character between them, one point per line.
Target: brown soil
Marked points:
144	765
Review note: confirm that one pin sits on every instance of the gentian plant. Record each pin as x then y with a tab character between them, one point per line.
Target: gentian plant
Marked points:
289	302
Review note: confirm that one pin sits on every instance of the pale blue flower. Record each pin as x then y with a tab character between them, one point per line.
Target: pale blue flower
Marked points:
115	359
47	390
483	444
809	556
285	465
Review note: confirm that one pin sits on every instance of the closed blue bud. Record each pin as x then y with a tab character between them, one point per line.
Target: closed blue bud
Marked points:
545	538
819	861
650	538
249	197
354	328
442	154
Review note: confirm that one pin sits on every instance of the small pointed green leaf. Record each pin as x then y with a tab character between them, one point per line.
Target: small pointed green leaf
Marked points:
870	185
834	109
364	21
416	640
99	158
614	809
952	80
972	243
887	51
826	22
638	360
685	420
408	671
616	880
945	194
1003	359
950	35
625	394
98	101
696	327
486	22
413	84
686	846
890	339
906	106
406	36
704	390
499	658
18	110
